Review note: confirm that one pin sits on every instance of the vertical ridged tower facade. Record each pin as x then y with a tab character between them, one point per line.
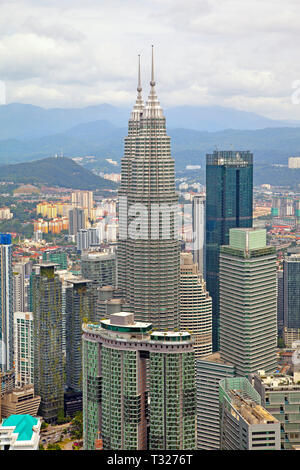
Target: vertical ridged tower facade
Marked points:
195	306
148	263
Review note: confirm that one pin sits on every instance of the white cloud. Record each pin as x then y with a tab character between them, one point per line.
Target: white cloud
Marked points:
225	52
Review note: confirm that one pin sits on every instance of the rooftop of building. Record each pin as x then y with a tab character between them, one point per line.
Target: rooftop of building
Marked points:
252	412
78	281
216	357
94	255
23	425
277	380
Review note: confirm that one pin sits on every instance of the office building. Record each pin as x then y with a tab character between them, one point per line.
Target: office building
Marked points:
209	371
280	303
199	231
291	297
48	353
20	401
280	395
99	267
20	432
148	254
23	348
115	392
248	303
80	306
245	423
229	200
6	303
195	306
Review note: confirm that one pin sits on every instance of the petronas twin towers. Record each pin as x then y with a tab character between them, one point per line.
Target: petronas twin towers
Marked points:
148	248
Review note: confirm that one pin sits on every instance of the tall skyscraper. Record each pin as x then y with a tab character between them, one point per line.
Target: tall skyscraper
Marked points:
80	305
115	392
148	247
6	303
48	354
83	199
229	199
280	302
291	298
20	288
195	306
280	394
248	303
76	220
23	348
245	423
199	231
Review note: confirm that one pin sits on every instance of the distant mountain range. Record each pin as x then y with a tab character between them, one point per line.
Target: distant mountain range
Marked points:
25	121
59	171
29	133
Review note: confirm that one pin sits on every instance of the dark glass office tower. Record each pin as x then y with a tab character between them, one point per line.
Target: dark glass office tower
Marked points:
229	200
47	330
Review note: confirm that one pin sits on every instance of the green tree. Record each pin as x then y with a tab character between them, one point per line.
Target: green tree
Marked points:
77	425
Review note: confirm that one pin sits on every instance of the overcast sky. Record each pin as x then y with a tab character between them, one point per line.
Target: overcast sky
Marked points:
238	53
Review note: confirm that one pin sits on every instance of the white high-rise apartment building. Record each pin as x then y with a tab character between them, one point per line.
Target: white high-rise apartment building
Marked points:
23	348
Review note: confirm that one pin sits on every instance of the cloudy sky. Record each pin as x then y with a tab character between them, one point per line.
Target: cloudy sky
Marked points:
237	53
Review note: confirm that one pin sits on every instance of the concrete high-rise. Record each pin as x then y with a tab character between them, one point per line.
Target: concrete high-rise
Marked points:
148	247
229	200
23	348
280	394
6	303
115	391
245	423
195	306
199	231
76	220
20	287
47	327
248	302
209	371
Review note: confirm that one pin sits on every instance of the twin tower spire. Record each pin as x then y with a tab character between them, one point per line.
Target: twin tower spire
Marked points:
152	110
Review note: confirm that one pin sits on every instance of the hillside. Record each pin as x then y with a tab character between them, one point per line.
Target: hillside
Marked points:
62	172
103	140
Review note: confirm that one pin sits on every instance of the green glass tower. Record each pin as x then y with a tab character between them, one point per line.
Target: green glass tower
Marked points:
47	330
120	358
58	257
149	259
248	302
229	199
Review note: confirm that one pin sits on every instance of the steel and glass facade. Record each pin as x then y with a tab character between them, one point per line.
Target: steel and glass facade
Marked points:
229	200
120	359
248	302
148	256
